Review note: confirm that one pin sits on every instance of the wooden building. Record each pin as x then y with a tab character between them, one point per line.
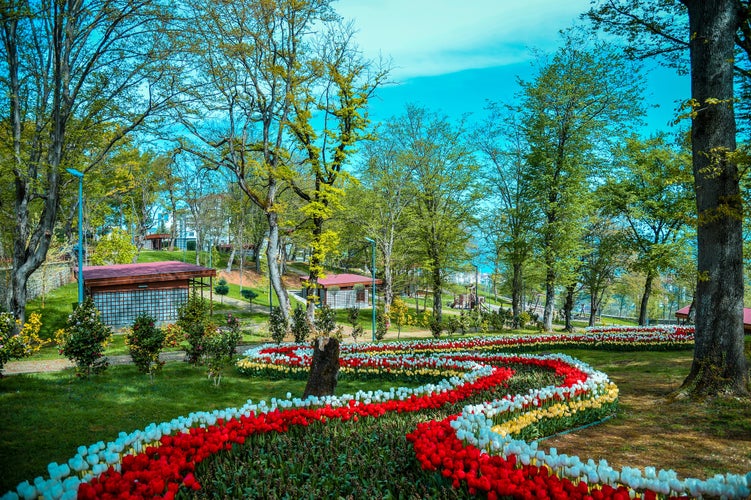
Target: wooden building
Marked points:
340	291
682	315
123	291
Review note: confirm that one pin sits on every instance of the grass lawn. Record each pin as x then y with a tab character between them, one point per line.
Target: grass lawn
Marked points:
46	416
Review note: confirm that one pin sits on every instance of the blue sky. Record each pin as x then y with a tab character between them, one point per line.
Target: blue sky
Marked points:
452	56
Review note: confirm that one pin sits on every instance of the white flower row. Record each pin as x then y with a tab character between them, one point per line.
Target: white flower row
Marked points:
92	461
474	427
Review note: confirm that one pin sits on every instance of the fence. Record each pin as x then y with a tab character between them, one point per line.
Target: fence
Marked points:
41	282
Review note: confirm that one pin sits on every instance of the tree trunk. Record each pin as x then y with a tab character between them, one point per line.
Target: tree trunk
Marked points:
644	306
437	285
568	307
272	256
516	293
324	368
719	364
547	318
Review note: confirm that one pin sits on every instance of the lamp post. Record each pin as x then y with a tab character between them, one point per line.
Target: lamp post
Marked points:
372	273
76	173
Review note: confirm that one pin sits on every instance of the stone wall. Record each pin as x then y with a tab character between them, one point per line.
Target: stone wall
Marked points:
44	280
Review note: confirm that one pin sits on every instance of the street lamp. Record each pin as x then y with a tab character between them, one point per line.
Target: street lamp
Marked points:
76	173
372	273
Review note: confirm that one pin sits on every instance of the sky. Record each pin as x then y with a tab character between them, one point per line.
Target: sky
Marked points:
452	57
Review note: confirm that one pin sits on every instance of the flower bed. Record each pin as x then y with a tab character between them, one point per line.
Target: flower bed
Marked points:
483	447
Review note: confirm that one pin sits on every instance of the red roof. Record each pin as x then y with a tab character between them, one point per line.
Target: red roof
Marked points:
344	280
145	272
683	313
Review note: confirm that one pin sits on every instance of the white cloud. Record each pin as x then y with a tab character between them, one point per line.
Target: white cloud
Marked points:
432	37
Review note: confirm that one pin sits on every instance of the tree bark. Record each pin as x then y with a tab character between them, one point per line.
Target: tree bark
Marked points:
644	306
568	307
272	257
324	368
437	282
719	364
516	292
547	317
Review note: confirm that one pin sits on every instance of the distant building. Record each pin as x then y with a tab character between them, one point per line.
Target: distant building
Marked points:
123	291
340	291
682	314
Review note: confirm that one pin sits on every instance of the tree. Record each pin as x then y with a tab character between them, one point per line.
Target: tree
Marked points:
650	189
443	186
114	248
603	258
337	85
379	207
577	103
67	68
511	227
716	28
222	288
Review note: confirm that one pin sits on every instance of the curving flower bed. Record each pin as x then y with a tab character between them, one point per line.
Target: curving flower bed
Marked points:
483	447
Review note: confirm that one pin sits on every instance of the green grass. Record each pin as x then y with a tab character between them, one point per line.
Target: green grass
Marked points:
54	308
46	416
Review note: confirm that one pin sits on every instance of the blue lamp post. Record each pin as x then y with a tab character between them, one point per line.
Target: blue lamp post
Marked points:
76	173
373	271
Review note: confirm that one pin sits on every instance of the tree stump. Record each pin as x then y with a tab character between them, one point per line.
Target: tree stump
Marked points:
324	368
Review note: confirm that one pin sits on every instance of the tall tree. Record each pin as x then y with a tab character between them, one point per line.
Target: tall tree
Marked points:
650	189
329	119
444	186
246	60
577	102
66	68
717	30
380	206
501	143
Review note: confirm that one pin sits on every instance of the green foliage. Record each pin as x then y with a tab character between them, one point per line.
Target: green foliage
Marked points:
436	327
115	248
325	321
221	348
221	287
145	341
277	325
193	319
248	295
84	338
382	325
357	332
18	344
300	326
398	312
353	315
523	319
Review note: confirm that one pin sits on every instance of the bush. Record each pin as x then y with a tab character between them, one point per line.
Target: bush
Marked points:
248	295
523	318
325	321
382	325
193	320
436	327
300	325
277	325
18	341
145	341
221	347
222	288
84	338
353	315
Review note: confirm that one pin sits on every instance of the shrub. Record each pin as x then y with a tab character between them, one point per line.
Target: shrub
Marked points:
399	312
222	288
248	295
300	326
18	341
452	325
523	318
221	347
193	320
277	325
145	341
84	338
325	321
357	332
353	315
382	325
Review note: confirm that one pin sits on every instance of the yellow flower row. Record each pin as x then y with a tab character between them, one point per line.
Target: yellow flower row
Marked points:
557	410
